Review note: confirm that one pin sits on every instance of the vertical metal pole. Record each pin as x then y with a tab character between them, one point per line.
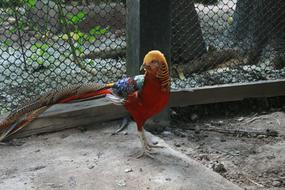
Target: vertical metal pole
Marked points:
133	37
155	27
148	28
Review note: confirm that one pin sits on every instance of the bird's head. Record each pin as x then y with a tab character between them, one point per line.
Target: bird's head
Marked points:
155	65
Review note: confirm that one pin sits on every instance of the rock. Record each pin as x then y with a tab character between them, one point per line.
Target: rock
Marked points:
223	139
276	183
217	123
194	117
220	122
179	133
82	129
240	119
166	133
177	144
154	142
37	168
219	168
125	133
197	129
261	136
55	186
121	183
128	170
203	157
91	167
63	136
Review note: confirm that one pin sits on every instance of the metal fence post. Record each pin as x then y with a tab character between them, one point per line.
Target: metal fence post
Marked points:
148	28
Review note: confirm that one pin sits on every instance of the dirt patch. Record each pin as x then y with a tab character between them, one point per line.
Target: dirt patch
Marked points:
253	161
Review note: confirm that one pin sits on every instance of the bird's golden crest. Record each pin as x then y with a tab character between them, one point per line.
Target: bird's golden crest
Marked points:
155	63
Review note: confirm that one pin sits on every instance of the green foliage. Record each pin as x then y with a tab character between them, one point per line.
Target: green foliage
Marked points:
11	3
17	3
77	18
31	3
98	30
39	53
78	37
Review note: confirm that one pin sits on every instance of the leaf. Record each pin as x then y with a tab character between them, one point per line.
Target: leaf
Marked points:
34	47
81	14
75	36
31	3
65	37
8	42
40	62
34	57
38	44
76	18
91	62
98	30
91	39
69	15
78	50
103	31
44	47
12	30
40	52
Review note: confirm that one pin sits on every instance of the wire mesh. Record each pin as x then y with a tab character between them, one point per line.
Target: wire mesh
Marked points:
46	44
227	41
49	44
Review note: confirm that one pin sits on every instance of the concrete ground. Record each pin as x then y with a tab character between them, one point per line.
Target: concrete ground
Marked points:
95	160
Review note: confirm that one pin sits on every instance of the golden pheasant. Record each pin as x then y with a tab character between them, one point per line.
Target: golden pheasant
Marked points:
142	95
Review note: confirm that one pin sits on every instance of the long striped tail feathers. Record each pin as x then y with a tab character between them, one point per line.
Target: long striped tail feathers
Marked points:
20	118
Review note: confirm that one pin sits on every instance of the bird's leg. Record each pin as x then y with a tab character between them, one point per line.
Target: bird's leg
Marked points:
123	125
150	145
147	147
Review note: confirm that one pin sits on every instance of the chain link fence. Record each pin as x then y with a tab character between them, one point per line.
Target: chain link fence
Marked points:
227	41
46	44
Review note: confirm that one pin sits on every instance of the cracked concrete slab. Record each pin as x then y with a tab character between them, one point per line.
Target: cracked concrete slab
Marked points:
94	159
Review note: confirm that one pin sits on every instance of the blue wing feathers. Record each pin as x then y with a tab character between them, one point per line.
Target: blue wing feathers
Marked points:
128	85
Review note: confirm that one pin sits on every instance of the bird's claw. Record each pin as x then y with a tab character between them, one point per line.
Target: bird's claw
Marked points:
123	125
146	152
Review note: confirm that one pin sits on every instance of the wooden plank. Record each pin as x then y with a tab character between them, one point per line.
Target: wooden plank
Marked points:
74	115
227	92
89	113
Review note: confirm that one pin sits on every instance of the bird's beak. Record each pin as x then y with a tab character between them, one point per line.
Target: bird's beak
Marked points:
142	67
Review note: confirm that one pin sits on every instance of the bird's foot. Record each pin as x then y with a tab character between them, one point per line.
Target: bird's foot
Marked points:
147	147
147	151
123	125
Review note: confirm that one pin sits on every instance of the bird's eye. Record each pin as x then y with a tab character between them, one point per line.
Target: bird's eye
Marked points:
154	62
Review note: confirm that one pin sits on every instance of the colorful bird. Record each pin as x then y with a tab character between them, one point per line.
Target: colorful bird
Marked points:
142	95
